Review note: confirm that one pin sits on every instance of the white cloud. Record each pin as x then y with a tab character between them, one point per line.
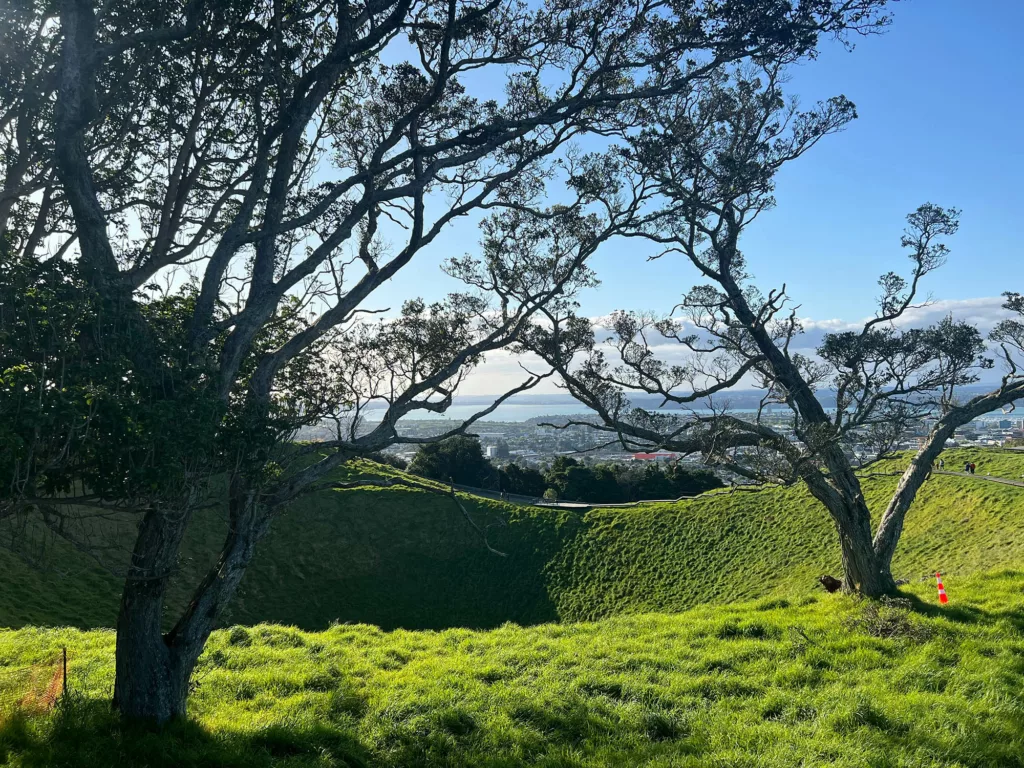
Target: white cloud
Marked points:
982	313
503	370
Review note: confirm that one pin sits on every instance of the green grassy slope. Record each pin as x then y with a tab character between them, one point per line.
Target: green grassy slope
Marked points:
406	558
820	681
743	545
990	461
395	557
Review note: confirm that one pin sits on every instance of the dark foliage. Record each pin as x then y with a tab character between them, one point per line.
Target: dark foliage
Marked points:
459	459
614	483
526	481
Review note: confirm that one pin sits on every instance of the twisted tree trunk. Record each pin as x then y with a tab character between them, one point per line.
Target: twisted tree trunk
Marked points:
863	571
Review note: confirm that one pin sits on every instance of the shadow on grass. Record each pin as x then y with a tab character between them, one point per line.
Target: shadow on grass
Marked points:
962	614
970	614
87	734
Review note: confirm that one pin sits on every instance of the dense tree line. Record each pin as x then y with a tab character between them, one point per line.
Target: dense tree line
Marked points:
616	482
460	459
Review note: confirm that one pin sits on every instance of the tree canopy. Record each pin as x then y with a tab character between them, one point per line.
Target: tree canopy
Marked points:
458	459
609	482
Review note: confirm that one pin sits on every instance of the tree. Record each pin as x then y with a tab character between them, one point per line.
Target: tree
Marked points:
458	459
706	167
690	482
574	481
652	481
233	183
525	481
607	483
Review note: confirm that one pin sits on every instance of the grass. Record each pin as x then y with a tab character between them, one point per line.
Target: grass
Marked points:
817	680
990	461
402	558
691	635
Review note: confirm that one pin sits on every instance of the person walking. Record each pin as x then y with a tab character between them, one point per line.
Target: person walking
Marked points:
973	467
942	464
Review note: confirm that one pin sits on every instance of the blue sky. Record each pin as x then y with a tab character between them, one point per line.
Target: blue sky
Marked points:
941	120
941	104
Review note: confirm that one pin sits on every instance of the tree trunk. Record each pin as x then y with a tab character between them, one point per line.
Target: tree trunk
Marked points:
150	682
153	669
891	526
864	572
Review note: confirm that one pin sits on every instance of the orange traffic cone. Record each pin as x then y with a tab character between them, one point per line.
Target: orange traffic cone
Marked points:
942	590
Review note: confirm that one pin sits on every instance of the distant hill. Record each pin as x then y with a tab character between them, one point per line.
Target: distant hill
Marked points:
406	558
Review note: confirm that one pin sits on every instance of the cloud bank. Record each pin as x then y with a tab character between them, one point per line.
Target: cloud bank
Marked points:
503	370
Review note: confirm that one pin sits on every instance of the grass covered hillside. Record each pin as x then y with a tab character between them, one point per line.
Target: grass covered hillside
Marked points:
821	680
400	557
997	462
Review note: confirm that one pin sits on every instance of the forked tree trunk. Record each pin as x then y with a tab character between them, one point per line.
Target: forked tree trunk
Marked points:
153	669
151	681
864	572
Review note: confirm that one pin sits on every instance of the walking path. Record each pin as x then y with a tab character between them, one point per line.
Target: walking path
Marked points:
534	501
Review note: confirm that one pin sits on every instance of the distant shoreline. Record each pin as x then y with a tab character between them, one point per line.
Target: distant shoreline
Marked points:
525	407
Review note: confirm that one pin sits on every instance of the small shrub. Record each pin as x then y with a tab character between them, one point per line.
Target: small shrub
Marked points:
889	619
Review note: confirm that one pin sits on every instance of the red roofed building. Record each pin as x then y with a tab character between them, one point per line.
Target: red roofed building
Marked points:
660	456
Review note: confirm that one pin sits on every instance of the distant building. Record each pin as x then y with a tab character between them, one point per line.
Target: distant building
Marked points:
658	456
498	450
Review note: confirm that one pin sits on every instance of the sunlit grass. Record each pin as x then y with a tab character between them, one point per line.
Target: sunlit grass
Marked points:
993	462
808	681
757	668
